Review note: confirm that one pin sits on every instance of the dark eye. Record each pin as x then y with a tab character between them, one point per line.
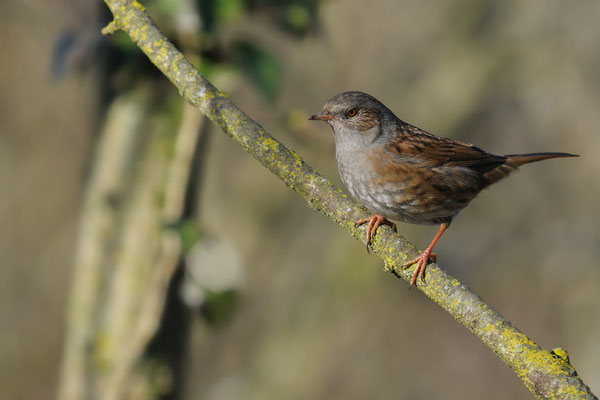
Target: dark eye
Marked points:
351	112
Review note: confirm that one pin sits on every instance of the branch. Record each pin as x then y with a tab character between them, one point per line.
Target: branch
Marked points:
547	374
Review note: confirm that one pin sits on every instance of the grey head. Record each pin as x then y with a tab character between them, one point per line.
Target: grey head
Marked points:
356	118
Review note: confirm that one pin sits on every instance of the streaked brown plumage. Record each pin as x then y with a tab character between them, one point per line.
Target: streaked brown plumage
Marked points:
403	173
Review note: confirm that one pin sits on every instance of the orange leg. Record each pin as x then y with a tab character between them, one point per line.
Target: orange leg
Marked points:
425	257
374	223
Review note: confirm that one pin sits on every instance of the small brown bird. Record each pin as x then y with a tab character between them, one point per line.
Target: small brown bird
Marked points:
402	173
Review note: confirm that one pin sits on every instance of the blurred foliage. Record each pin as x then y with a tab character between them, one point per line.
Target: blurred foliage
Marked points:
294	16
261	66
197	27
189	232
218	306
214	12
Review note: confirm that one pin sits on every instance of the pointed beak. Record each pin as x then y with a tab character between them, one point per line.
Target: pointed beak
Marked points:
323	116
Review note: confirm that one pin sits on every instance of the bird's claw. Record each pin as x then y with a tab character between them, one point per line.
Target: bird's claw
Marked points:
374	223
422	261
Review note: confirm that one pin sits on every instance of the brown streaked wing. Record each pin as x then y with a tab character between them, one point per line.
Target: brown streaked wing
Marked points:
436	151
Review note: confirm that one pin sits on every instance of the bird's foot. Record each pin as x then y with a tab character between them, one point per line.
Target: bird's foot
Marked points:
421	261
374	223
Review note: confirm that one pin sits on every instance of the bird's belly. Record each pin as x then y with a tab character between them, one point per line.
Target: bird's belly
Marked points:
405	201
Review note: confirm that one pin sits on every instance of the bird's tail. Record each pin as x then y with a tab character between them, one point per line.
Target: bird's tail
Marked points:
516	160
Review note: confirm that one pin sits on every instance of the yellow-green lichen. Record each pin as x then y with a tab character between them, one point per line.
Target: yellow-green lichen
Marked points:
455	303
270	144
139	5
111	28
529	357
561	354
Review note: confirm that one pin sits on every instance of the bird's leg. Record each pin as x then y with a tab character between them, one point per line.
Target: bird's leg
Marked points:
425	257
374	223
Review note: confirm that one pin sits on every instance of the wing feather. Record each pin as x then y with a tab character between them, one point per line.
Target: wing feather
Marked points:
434	151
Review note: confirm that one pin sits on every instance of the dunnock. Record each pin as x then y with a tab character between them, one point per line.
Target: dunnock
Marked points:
402	173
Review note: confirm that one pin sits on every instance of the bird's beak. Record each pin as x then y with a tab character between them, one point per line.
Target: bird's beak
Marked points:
323	116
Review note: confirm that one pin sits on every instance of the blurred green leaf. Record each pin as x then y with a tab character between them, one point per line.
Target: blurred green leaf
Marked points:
298	17
189	233
211	69
169	7
263	68
207	11
215	12
219	305
227	10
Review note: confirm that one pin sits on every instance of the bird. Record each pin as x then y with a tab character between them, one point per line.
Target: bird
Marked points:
402	173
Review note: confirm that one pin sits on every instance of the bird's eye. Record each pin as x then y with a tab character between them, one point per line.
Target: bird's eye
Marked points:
351	112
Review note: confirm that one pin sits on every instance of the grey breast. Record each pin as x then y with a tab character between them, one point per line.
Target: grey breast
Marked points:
355	169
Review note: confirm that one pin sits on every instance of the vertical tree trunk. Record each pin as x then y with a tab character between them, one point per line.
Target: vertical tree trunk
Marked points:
128	250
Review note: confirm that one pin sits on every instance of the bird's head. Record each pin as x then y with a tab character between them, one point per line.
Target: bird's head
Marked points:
352	111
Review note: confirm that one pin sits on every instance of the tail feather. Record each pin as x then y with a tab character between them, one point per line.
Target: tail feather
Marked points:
514	161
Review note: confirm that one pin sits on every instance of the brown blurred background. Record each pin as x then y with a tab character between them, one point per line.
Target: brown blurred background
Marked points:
317	318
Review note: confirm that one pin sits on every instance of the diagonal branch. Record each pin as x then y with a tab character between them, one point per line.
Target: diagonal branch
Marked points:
547	374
